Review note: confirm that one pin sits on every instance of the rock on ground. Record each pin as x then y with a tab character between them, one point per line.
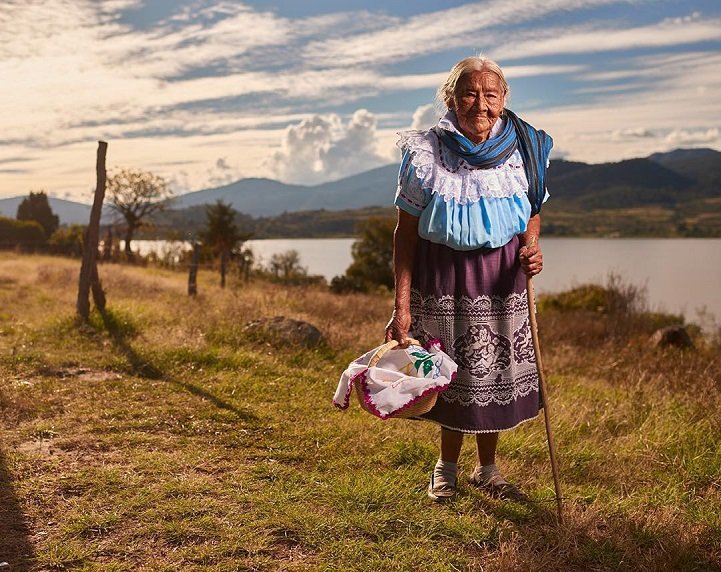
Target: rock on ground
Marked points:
675	336
285	330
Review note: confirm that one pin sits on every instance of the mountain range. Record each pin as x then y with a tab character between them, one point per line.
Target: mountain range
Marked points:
682	179
265	197
69	212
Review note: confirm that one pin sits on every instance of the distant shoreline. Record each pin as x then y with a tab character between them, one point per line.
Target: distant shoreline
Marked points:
653	222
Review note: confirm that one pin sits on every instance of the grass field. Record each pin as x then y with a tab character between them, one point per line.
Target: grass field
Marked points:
160	437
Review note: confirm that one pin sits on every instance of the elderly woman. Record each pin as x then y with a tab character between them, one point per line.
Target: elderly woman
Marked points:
469	194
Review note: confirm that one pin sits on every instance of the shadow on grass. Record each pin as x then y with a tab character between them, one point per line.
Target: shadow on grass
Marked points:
120	332
15	547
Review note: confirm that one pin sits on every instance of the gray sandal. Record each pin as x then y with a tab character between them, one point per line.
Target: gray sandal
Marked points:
498	487
441	492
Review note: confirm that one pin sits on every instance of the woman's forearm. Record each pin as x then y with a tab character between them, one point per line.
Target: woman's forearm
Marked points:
533	231
405	239
529	253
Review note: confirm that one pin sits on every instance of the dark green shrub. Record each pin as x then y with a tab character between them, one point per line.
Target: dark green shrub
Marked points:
25	234
68	240
372	264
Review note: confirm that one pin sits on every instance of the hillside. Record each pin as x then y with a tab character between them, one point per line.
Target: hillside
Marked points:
252	196
635	182
666	194
69	212
322	223
264	197
663	179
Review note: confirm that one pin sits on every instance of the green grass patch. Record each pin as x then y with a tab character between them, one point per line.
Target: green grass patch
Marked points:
158	437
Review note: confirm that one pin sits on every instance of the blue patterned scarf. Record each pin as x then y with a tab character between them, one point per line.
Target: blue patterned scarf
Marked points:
533	145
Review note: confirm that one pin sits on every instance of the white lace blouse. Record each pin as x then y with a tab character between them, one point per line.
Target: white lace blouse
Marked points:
459	205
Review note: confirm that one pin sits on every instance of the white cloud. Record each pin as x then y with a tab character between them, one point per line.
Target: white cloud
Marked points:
324	148
456	27
356	150
299	158
186	162
79	74
670	102
74	66
112	6
558	153
585	39
223	173
424	117
692	137
545	70
630	133
401	82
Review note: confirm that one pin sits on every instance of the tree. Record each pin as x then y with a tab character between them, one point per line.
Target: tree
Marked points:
287	265
36	207
372	264
221	233
136	195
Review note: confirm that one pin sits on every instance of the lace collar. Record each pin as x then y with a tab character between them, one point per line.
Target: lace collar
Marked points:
447	175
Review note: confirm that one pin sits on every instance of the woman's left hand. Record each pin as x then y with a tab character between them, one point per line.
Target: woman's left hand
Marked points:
531	258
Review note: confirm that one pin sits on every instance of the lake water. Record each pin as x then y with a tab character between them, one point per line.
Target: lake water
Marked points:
680	275
326	256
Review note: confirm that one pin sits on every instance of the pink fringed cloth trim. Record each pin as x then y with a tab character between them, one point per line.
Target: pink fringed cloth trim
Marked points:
370	406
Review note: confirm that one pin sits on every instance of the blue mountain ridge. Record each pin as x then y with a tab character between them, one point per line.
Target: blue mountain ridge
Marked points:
675	171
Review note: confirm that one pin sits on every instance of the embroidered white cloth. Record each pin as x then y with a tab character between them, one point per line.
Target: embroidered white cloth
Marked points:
399	379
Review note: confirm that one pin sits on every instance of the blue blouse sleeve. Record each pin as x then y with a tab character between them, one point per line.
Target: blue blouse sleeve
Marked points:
410	196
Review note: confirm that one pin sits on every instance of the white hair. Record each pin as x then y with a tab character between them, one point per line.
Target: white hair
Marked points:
445	93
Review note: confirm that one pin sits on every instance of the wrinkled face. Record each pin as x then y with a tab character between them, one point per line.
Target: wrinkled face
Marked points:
478	101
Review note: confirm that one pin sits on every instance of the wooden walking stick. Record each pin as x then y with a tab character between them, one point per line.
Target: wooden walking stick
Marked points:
544	392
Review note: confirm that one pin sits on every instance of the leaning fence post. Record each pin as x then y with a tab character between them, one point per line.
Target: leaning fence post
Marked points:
97	289
88	268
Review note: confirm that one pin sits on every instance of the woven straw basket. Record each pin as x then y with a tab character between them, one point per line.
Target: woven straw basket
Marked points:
422	406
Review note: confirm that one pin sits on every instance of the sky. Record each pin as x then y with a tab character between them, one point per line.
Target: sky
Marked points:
205	92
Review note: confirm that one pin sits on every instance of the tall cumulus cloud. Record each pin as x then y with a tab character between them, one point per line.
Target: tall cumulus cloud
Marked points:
324	147
425	117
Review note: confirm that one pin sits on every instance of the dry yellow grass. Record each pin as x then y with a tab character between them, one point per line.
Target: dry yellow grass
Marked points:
163	439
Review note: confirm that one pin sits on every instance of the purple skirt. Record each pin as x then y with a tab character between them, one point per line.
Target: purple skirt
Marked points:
475	303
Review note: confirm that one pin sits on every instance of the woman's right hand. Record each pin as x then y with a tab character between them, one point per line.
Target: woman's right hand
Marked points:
398	326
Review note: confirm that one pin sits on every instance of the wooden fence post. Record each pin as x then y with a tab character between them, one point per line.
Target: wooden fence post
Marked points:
97	289
108	244
223	266
193	274
88	269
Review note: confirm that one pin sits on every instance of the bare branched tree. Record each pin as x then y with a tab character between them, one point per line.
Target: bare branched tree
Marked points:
136	195
286	264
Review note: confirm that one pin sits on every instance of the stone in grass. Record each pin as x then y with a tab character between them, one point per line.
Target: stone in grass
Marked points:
286	330
672	336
